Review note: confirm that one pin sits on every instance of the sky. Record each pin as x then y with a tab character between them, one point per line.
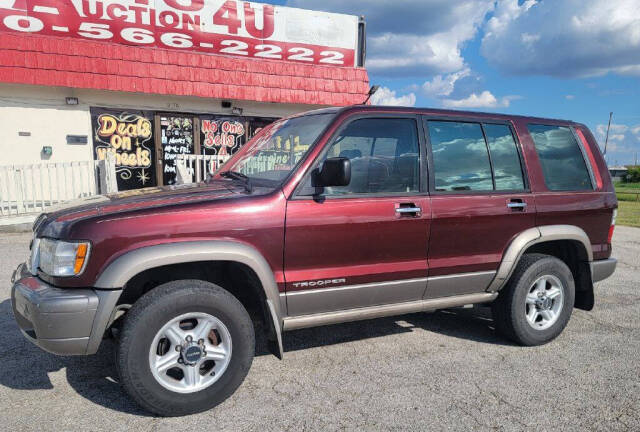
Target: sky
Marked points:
568	59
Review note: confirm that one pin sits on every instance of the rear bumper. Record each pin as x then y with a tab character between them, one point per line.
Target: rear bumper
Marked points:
60	321
602	269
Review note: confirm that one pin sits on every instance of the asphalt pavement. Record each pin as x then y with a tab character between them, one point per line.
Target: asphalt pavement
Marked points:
442	371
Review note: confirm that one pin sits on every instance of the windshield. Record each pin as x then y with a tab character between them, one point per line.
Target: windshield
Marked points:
274	152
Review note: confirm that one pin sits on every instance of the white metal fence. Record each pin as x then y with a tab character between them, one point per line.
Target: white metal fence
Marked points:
34	187
31	188
195	168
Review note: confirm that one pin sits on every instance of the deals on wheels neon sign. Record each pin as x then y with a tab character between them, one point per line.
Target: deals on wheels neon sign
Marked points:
227	27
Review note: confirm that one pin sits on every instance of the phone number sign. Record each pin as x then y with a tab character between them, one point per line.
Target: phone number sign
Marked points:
226	27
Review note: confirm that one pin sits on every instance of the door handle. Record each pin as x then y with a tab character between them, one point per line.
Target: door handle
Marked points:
517	204
408	210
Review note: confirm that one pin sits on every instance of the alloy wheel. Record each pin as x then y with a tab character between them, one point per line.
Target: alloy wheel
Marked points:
544	302
190	352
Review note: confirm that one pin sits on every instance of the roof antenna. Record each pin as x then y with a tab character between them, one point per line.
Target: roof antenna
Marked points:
606	141
372	91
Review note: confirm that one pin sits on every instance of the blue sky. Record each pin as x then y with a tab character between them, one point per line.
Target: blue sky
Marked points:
571	59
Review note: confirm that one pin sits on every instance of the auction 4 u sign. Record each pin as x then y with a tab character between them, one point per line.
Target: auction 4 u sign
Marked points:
228	27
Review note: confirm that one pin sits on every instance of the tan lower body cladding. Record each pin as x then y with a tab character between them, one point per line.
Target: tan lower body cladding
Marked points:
357	314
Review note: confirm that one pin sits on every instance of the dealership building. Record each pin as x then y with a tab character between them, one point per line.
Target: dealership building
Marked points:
147	80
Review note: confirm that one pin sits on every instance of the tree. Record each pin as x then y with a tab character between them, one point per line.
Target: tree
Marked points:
632	175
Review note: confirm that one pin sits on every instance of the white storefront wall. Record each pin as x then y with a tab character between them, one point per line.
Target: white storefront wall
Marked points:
32	117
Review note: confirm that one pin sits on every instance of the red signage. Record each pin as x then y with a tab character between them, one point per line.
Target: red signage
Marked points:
226	27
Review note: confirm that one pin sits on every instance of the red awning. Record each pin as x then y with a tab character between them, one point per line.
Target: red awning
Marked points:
64	62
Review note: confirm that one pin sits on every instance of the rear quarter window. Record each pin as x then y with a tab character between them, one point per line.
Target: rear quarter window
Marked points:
563	163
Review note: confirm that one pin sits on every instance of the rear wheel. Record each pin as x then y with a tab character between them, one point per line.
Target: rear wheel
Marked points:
185	347
536	304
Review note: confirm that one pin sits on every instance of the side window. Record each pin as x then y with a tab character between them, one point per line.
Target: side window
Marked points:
384	154
562	161
460	157
507	169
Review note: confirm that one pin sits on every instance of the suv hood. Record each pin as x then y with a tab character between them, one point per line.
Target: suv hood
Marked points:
99	205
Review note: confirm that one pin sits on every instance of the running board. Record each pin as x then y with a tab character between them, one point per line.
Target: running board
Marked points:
326	318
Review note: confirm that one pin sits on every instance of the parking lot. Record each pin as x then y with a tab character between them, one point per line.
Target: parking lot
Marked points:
446	370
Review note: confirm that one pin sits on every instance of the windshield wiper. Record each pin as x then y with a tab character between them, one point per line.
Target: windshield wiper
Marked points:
235	175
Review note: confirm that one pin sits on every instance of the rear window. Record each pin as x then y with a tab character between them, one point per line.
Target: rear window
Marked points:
562	160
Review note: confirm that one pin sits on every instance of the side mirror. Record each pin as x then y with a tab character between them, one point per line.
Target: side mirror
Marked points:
334	172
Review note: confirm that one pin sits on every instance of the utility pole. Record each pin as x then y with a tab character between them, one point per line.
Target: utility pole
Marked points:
606	141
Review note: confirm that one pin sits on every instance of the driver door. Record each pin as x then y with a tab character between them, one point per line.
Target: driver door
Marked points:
366	243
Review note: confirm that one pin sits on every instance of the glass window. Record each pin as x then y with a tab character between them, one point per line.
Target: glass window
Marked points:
562	160
274	152
507	169
460	157
384	156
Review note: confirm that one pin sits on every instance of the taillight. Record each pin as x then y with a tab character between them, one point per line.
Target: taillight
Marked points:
613	225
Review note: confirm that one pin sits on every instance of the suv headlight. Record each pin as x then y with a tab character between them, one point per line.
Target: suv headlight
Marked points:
61	258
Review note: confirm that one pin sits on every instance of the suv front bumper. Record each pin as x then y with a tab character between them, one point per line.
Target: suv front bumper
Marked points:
61	321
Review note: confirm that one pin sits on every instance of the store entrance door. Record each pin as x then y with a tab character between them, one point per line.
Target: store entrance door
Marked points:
176	134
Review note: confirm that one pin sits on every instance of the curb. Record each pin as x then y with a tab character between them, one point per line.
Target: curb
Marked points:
17	224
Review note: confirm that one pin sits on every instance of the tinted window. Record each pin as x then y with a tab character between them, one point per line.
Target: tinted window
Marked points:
562	161
507	170
272	154
384	156
460	157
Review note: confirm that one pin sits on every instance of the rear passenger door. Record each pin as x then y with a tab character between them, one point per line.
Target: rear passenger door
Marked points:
480	201
366	243
567	191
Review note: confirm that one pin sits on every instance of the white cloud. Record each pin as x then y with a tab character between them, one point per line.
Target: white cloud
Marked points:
624	142
570	38
443	86
570	97
412	37
529	39
506	11
386	96
483	100
616	129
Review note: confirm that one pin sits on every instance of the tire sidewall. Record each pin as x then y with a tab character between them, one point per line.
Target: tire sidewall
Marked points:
543	267
153	315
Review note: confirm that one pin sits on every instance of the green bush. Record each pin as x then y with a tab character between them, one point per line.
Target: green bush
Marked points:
632	175
622	196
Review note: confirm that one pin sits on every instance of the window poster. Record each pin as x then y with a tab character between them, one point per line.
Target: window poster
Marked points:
257	123
176	139
128	135
223	135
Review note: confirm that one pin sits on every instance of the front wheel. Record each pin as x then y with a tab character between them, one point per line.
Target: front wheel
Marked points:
185	347
536	304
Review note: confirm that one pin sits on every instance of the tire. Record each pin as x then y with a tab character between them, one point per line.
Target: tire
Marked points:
514	313
157	319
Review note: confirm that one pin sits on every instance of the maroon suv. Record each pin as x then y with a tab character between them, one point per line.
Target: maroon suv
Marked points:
331	216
